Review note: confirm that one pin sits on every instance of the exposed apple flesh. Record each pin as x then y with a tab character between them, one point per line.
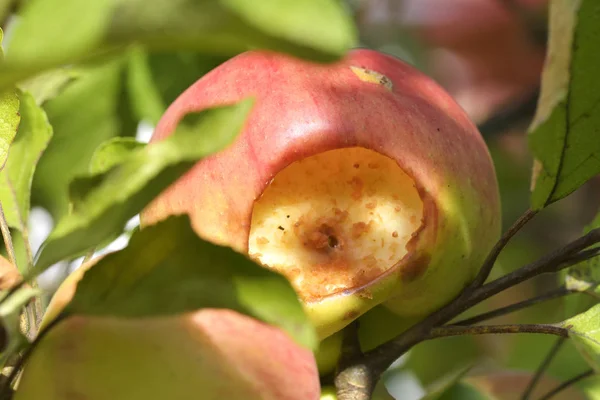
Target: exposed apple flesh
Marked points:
211	354
335	221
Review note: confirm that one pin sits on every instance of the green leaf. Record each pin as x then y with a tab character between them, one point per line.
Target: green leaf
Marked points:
584	329
48	85
564	133
167	269
316	29
15	179
291	19
9	122
90	110
153	84
585	276
102	204
112	152
145	97
50	32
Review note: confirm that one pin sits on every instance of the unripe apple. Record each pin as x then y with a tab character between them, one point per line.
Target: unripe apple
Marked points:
362	181
209	354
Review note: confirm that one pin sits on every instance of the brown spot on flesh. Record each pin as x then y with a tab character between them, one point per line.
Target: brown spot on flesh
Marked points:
371	205
359	228
357	187
262	240
415	267
351	315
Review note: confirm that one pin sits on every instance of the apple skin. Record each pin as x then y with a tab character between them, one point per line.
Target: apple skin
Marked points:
303	109
211	353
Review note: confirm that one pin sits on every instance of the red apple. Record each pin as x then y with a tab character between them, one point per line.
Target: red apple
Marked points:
209	354
362	181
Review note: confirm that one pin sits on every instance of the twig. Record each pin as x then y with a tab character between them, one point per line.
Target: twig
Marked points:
581	256
489	262
10	249
453	330
382	356
542	368
34	309
568	383
355	381
552	262
560	292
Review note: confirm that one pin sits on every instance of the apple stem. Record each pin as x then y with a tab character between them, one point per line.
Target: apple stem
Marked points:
355	380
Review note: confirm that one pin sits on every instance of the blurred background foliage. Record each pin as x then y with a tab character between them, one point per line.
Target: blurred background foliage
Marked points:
487	53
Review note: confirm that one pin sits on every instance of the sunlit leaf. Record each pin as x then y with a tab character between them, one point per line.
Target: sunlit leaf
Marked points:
50	32
48	85
15	179
586	275
152	83
167	269
90	110
113	152
565	131
9	122
103	203
315	29
584	330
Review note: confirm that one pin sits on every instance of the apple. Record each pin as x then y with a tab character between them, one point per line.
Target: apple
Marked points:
362	181
210	354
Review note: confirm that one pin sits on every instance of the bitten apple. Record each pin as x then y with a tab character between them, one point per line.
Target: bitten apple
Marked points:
209	354
362	181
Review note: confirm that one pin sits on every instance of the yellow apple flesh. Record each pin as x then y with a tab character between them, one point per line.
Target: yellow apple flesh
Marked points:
335	221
